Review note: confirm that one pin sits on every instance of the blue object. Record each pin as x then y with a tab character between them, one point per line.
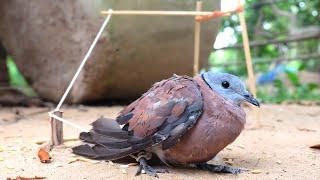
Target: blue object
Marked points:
271	75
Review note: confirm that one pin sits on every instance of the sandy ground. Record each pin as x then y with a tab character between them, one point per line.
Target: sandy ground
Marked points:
279	150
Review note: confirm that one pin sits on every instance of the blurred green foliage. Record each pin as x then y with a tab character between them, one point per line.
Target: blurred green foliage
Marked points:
299	91
264	24
16	78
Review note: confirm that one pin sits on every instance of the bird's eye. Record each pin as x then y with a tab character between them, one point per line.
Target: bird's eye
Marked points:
225	84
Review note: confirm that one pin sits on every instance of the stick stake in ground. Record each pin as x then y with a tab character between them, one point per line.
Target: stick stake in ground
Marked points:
252	84
197	31
56	129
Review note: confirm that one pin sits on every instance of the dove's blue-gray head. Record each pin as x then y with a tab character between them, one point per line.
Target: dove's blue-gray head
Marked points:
230	87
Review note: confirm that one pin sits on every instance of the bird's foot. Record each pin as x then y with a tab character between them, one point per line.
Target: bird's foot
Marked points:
219	168
148	169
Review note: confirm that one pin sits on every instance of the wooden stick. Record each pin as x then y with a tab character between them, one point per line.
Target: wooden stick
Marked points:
56	130
156	13
197	31
252	84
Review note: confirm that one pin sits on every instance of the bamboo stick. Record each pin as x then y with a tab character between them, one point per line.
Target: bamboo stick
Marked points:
56	130
252	84
197	31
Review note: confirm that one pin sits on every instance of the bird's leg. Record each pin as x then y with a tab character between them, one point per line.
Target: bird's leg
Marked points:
219	168
142	159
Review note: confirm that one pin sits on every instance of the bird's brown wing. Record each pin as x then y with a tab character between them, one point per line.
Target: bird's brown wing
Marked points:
166	111
161	115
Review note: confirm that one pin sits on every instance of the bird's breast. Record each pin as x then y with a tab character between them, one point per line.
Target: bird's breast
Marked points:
219	125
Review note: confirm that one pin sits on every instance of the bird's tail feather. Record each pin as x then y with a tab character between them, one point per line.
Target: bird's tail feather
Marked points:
108	141
101	152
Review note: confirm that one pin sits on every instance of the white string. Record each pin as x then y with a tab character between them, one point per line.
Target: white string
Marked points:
105	23
84	60
67	122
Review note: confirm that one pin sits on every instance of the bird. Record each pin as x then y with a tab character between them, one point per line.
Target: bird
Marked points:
184	121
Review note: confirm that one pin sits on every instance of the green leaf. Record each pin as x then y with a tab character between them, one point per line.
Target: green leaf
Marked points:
293	77
16	78
312	86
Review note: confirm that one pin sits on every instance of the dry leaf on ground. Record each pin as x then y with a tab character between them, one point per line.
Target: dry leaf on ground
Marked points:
44	156
315	146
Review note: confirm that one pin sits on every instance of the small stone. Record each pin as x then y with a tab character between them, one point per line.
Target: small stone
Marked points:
256	171
279	162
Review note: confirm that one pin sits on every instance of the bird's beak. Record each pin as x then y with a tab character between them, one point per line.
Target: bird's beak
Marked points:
251	99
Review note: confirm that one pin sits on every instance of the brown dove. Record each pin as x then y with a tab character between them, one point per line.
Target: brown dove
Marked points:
184	121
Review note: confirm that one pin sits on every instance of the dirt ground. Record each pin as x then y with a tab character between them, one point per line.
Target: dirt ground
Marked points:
279	150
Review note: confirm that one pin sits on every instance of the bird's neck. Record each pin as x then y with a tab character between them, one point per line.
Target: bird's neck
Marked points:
214	100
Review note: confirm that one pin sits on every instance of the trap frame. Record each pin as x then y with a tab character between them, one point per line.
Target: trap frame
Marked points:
56	119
